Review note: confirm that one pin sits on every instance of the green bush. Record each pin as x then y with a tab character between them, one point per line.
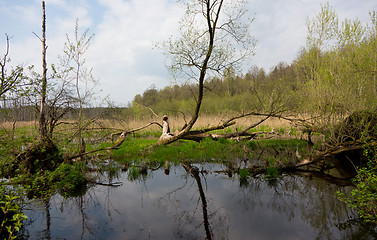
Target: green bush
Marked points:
272	171
66	179
70	179
364	197
11	217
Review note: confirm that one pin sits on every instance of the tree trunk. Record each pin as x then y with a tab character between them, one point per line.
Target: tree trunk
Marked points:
42	114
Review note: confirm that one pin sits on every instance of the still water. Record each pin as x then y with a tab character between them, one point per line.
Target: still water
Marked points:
211	205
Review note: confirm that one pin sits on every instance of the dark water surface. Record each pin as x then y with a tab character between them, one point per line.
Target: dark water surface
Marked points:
211	205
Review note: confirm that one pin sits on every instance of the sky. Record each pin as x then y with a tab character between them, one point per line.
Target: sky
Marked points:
122	53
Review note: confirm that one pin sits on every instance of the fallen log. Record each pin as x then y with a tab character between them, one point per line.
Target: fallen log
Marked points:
332	151
198	135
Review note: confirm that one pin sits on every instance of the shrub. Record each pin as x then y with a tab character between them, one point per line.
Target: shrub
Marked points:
364	197
11	216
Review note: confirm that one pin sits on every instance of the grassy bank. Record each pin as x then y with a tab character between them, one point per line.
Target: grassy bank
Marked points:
137	146
136	150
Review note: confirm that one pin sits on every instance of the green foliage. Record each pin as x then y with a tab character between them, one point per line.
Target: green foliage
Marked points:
364	197
135	173
243	173
70	180
335	67
67	179
11	216
243	177
272	171
251	92
282	143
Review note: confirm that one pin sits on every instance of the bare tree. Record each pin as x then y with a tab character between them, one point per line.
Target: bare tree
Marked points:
77	75
215	36
9	80
42	115
43	91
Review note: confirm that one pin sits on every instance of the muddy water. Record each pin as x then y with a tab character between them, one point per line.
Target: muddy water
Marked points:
184	205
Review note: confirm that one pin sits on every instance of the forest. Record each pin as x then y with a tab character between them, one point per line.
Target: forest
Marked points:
327	97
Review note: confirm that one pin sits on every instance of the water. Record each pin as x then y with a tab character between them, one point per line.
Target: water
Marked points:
211	205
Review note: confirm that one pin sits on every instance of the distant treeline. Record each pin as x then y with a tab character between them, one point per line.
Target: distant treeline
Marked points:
232	93
30	113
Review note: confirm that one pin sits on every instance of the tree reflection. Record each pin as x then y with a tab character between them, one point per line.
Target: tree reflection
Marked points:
196	215
195	173
47	231
204	204
312	199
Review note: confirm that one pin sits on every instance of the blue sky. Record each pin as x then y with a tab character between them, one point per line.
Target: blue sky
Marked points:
122	54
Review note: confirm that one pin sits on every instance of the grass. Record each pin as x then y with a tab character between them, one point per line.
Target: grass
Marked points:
136	147
207	150
282	143
137	150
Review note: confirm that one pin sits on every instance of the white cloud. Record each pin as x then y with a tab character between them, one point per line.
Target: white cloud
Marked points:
124	42
280	25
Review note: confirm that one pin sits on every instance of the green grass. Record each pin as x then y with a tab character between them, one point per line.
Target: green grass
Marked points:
284	143
138	149
223	150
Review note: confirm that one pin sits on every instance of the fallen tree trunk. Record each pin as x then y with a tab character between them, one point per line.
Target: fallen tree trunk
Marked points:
332	151
198	135
236	135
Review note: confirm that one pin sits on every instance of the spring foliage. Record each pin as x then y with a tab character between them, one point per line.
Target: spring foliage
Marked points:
364	197
11	216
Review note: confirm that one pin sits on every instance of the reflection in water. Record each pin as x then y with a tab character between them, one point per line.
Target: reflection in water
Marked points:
206	220
192	204
47	232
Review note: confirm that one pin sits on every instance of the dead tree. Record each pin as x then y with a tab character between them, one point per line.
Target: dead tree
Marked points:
9	81
42	112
